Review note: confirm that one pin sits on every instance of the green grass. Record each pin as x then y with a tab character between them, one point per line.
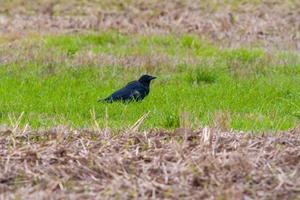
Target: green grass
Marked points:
249	88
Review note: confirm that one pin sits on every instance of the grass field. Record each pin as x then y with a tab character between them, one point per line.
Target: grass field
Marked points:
222	120
57	80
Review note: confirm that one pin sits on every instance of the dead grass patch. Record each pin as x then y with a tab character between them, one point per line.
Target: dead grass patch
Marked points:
269	23
93	164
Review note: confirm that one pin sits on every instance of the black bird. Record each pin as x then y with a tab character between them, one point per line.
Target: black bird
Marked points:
133	91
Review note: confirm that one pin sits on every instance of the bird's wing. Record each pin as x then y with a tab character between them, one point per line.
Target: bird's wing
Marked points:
136	94
138	91
131	90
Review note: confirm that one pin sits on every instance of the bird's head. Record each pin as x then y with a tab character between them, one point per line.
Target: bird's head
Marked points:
146	79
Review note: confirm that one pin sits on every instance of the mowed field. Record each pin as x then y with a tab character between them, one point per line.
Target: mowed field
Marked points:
221	120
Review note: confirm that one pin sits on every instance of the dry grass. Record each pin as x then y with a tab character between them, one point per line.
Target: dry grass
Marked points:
22	55
97	164
208	163
268	23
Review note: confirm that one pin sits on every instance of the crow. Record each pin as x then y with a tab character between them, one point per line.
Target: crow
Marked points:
133	91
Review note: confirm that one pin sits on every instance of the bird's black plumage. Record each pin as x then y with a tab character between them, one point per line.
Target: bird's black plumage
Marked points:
133	91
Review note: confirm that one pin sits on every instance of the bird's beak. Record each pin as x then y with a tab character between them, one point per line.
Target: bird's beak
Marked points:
153	77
